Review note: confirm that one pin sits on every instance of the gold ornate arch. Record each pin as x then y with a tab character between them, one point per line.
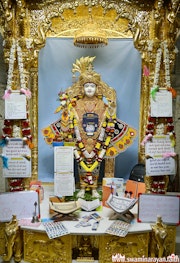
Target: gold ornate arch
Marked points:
31	22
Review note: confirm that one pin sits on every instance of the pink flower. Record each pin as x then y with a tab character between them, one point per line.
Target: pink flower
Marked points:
7	94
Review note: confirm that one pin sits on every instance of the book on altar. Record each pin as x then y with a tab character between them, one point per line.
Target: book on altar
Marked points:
119	204
89	205
64	207
112	185
134	188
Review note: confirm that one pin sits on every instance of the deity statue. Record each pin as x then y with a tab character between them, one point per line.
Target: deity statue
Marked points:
90	123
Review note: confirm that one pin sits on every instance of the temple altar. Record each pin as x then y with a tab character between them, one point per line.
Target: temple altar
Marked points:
25	27
37	247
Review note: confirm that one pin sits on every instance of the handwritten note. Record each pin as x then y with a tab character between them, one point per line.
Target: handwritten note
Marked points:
158	146
21	204
63	159
156	163
160	166
15	106
18	158
64	184
161	105
167	206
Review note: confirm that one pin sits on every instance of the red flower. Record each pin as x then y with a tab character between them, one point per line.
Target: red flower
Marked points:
26	132
7	130
150	126
170	120
7	122
25	124
151	119
170	128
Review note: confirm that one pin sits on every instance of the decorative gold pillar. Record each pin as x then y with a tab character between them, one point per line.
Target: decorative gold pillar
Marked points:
109	167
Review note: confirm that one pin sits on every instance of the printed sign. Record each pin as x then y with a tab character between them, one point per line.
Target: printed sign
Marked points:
18	159
159	156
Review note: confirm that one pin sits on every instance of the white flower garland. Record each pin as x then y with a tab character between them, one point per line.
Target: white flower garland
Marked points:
162	50
157	68
15	46
167	63
21	67
11	65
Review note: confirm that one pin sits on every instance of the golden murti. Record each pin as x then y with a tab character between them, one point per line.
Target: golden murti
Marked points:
90	123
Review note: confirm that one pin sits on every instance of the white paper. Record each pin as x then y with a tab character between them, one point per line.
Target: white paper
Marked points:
15	106
158	146
156	164
19	159
160	166
64	184
20	203
161	106
89	205
63	159
152	205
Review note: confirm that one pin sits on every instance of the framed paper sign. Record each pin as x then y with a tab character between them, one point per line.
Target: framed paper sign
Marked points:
150	206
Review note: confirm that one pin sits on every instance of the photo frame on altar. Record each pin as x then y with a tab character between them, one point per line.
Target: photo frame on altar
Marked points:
119	65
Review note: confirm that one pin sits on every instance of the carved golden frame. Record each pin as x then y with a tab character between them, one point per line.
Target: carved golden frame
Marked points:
33	22
67	27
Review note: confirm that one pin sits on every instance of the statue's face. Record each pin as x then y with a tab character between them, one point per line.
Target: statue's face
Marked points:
89	89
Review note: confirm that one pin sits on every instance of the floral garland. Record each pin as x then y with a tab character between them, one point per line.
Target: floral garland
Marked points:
15	46
24	124
163	50
11	65
88	161
157	67
167	63
153	121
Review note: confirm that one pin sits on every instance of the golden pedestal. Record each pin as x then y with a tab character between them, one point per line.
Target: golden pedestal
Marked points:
133	245
38	248
2	240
